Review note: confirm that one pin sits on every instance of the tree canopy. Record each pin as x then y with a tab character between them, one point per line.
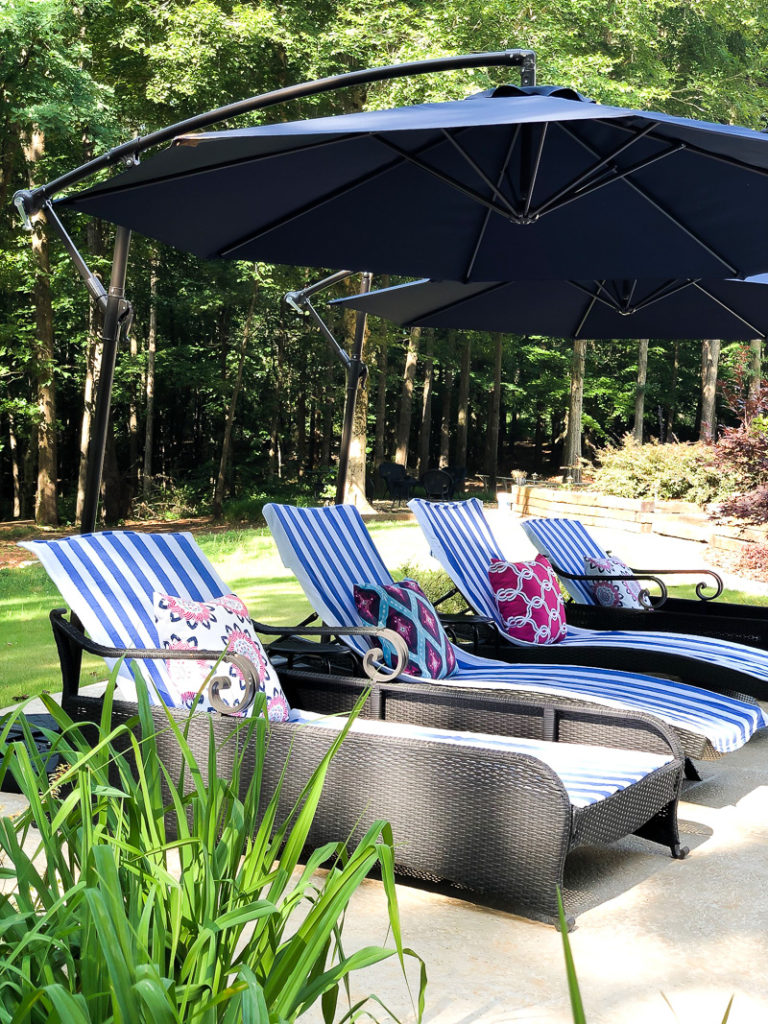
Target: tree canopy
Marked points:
76	79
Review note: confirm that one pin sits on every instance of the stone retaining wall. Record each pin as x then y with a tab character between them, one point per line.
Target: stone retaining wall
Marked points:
635	515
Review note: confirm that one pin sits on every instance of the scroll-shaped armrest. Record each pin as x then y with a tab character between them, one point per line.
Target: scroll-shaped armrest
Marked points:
645	597
372	659
700	587
217	683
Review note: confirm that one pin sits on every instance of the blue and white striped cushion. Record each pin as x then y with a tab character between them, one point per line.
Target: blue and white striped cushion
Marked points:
566	543
588	773
109	579
329	549
461	540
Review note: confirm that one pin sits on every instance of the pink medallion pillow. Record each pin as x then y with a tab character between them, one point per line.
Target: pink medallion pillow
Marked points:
222	624
529	600
405	608
612	593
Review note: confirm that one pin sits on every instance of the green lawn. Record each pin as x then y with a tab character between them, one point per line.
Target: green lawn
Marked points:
246	559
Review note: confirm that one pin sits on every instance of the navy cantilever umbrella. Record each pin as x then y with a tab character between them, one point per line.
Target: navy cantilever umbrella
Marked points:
683	308
518	182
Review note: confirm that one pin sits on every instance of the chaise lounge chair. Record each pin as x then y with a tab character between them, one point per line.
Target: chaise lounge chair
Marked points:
463	543
566	543
329	550
493	814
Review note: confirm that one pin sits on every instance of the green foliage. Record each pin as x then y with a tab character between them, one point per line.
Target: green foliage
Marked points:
135	905
664	471
435	584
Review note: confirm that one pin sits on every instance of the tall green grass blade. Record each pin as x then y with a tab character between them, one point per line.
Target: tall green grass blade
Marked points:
577	1008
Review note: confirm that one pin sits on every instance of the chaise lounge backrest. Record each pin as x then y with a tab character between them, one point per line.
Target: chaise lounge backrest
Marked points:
566	543
108	579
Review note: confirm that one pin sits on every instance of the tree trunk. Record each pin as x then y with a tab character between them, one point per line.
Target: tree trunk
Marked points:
92	370
710	356
755	366
406	397
425	431
152	351
327	435
462	415
671	417
642	374
149	426
226	444
133	421
445	418
46	511
13	445
572	448
381	405
494	408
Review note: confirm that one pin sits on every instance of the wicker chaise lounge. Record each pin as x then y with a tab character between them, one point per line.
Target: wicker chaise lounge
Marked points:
462	541
493	815
329	550
566	542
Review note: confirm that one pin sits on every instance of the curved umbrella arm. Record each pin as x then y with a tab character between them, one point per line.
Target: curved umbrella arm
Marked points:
30	201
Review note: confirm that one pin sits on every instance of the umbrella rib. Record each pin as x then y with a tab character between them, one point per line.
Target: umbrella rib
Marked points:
535	172
508	213
480	172
487	214
315	204
574	185
666	291
594	297
456	303
758	333
192	172
734	271
348	187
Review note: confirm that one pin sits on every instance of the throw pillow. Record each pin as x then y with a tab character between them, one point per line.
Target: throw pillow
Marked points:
612	593
220	624
529	600
405	608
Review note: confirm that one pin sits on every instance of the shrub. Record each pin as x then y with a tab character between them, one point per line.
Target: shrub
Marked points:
134	909
435	584
742	451
682	471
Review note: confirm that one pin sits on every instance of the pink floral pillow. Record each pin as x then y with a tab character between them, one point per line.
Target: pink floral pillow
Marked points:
222	624
529	600
612	593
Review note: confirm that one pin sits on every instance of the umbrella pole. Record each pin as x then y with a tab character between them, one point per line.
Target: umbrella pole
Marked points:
116	313
356	371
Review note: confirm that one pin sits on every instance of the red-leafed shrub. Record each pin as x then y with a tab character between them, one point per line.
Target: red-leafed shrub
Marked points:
742	451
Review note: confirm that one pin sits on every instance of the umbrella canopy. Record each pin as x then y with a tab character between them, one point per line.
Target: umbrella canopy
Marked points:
517	182
726	309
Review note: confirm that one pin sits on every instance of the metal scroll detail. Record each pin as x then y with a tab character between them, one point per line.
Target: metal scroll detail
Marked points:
221	682
373	665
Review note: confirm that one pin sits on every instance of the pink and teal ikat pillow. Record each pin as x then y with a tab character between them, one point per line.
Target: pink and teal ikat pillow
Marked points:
404	608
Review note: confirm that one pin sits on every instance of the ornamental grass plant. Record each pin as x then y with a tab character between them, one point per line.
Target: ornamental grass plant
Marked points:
131	896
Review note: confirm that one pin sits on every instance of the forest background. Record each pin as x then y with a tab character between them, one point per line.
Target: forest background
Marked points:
223	393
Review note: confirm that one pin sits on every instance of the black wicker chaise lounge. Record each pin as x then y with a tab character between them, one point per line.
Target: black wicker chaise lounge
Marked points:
489	815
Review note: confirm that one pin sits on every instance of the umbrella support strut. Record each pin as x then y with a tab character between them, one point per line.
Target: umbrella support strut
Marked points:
354	366
117	315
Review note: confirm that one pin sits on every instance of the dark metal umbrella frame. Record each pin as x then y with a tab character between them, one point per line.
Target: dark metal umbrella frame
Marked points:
115	309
